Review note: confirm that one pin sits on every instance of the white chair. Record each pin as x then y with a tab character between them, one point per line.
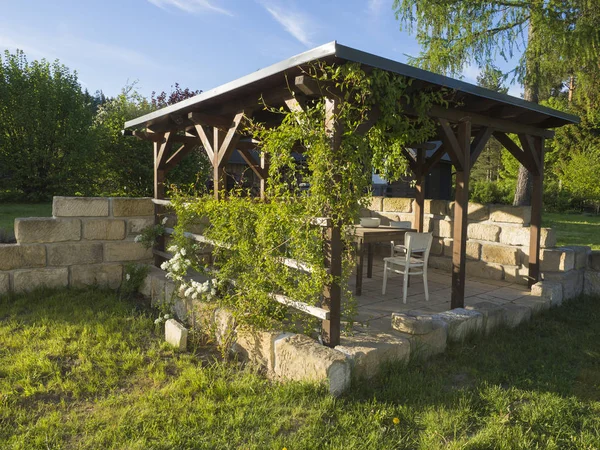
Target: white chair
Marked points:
413	242
399	248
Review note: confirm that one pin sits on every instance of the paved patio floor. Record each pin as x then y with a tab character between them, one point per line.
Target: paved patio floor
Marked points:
375	310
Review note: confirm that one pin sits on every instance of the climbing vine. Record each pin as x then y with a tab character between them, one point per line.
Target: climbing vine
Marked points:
251	237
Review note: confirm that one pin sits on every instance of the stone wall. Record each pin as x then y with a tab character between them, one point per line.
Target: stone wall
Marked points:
86	242
498	237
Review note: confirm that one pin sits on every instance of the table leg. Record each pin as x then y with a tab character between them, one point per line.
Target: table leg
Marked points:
359	267
369	260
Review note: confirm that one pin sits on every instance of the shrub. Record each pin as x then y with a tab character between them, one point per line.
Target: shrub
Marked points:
487	192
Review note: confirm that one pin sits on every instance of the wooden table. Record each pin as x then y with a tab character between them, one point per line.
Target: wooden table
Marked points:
369	236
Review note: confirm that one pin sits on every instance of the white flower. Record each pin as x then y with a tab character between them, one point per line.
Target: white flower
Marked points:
173	249
157	321
167	316
213	292
182	251
165	266
138	238
164	221
128	277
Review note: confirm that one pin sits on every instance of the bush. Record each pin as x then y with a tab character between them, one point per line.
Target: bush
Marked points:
487	192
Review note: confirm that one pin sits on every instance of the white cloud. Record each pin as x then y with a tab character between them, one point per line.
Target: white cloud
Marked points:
375	6
191	6
471	73
294	22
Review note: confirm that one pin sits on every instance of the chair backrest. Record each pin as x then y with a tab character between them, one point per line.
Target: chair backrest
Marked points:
400	224
418	242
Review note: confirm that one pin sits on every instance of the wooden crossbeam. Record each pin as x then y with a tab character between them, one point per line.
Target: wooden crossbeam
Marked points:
231	139
433	160
412	163
529	151
308	85
162	150
179	154
212	120
208	148
514	150
252	163
451	143
479	142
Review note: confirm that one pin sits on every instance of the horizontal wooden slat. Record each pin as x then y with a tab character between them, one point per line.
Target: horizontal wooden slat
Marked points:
158	201
315	311
295	264
321	221
161	254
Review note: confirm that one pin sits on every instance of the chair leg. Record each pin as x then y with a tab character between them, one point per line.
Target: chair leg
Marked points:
425	284
405	290
385	272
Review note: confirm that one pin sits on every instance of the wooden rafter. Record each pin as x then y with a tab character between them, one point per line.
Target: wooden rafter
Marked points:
433	160
479	142
451	143
208	148
252	163
521	156
231	139
178	155
162	150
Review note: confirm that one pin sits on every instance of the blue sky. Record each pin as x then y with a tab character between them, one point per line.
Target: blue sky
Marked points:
198	43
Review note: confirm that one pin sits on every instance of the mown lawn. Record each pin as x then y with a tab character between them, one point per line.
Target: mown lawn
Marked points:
575	229
83	369
10	211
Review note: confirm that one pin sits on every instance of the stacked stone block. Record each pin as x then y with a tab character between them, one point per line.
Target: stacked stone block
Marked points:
86	242
498	237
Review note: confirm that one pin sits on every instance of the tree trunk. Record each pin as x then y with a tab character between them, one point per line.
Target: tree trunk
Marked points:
531	94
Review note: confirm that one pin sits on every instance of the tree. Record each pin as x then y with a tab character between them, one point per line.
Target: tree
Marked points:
554	37
46	140
488	165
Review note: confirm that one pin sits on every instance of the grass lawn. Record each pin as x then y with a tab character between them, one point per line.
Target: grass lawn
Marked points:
83	369
10	211
575	229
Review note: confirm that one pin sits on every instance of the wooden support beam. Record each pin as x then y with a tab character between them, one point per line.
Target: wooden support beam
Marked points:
536	214
434	159
231	139
206	143
461	206
308	86
524	158
263	181
530	152
479	142
420	190
179	154
252	163
506	126
218	179
412	163
451	143
211	120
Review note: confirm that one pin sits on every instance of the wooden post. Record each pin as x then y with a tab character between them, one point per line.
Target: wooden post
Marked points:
536	212
332	293
420	189
217	168
461	205
263	180
160	151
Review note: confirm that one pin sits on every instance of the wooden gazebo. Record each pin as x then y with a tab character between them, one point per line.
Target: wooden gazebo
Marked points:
212	118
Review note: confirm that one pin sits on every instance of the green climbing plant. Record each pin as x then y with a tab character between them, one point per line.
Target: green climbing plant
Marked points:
369	113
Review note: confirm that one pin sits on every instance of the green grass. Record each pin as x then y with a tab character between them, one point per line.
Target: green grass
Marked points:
83	369
574	229
10	211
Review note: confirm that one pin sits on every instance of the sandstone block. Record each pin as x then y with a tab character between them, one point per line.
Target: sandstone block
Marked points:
30	279
477	212
415	322
18	256
47	229
80	207
176	334
571	282
422	346
493	315
473	248
437	246
591	285
257	347
297	357
514	314
440	262
397	204
594	260
126	251
136	225
224	323
376	204
482	269
436	207
70	254
516	274
103	229
461	323
581	254
500	254
535	303
130	207
443	228
367	352
548	290
4	283
557	259
483	232
104	275
518	235
510	214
